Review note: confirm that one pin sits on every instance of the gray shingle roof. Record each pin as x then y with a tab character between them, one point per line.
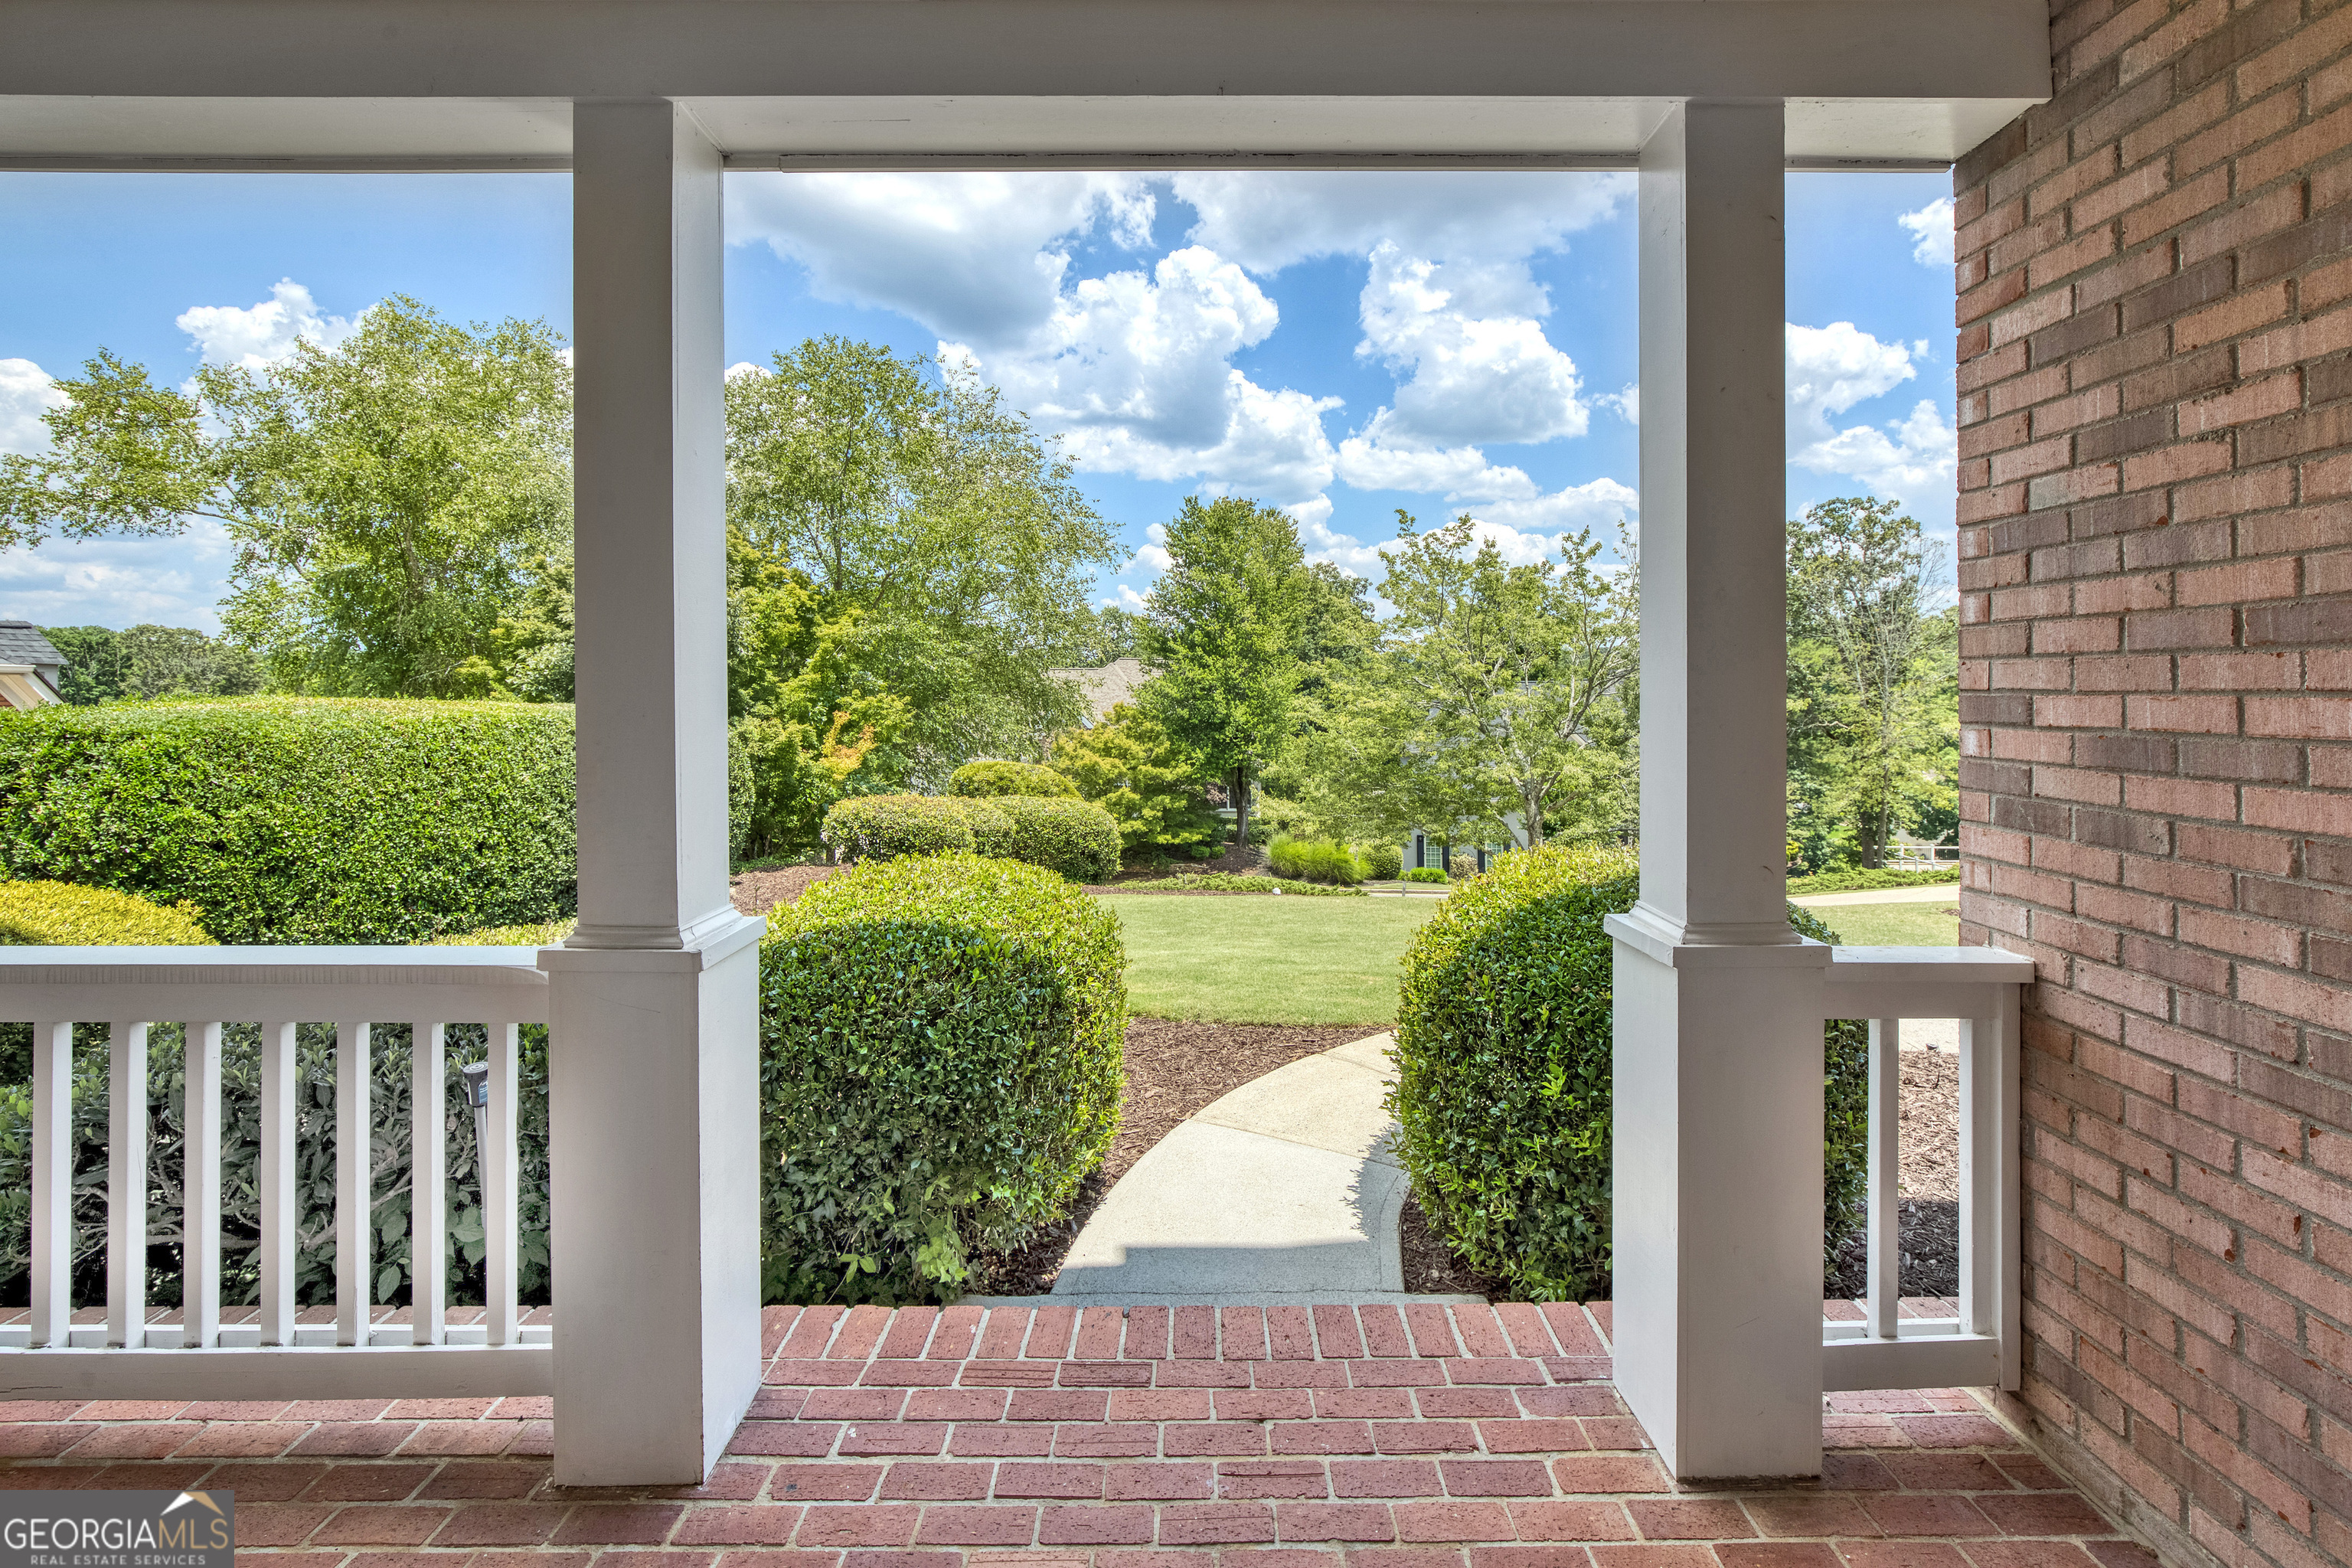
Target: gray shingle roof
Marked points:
21	642
1107	687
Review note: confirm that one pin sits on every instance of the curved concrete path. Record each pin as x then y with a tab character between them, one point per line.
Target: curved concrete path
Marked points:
1283	1191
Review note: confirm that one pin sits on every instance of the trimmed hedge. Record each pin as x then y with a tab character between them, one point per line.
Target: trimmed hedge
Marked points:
993	836
942	1053
991	778
1424	873
885	826
300	820
1859	881
1382	863
1076	837
1307	861
52	914
1503	1047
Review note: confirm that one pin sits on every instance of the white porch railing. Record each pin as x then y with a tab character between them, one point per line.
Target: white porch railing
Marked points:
1978	1348
273	1355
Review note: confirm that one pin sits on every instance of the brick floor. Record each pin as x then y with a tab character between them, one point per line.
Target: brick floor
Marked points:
1240	1437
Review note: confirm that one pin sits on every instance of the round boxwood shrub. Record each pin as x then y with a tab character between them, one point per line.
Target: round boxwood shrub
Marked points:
993	836
52	914
940	1065
300	820
989	778
1381	862
1076	837
1503	1045
885	826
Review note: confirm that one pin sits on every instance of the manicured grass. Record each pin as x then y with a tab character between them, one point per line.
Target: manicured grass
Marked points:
1893	925
1267	959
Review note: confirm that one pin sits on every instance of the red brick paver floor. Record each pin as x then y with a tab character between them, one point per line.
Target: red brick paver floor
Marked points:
1153	1438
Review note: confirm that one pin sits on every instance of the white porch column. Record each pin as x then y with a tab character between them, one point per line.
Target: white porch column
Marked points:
1718	1201
652	1059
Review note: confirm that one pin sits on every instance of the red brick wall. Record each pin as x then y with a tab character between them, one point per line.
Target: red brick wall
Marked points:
2155	287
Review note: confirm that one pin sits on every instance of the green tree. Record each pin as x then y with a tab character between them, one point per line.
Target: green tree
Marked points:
1224	629
148	661
1134	769
918	501
1874	678
1497	690
386	495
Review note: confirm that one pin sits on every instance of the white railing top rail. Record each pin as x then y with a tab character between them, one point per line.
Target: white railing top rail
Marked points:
468	985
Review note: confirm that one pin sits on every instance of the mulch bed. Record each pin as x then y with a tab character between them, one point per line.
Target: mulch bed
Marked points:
1929	1205
1431	1268
1173	1068
757	892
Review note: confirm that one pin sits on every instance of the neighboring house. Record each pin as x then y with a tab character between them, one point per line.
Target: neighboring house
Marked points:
1421	850
30	667
1105	686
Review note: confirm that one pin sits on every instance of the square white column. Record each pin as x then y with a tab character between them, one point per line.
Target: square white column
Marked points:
1716	1212
653	1083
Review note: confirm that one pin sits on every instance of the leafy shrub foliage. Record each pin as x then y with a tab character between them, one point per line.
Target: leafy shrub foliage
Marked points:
940	1065
1860	881
1074	837
1310	862
1424	873
1148	783
300	820
52	914
545	933
1381	862
989	778
993	836
885	826
1232	882
1503	1045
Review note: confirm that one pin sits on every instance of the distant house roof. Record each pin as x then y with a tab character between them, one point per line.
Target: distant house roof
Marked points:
30	666
1106	687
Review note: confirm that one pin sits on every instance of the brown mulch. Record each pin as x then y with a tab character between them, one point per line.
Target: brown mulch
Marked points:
1929	1205
757	892
1431	1268
1173	1068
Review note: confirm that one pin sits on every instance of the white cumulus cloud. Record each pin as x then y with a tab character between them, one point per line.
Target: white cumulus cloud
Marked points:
255	336
1913	459
1930	229
172	582
26	394
1269	220
1474	363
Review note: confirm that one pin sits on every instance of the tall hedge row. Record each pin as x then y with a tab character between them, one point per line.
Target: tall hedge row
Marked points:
300	820
1503	1094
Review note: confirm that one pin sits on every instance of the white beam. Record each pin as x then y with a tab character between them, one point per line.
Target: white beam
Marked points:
1717	1209
653	1092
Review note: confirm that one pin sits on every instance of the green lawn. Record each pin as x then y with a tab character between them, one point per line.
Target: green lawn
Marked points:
1267	959
1893	925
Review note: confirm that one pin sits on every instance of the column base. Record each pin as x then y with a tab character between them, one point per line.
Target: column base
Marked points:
654	1156
1717	1204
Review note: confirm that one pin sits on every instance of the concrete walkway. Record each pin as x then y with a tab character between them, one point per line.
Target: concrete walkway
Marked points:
1284	1190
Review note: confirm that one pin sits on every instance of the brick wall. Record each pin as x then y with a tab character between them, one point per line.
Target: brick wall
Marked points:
2155	311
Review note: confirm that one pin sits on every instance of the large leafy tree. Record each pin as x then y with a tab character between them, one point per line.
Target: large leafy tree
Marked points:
103	665
1497	690
912	497
1224	629
388	497
1874	678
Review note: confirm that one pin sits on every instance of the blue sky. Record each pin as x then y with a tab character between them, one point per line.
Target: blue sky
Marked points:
1340	345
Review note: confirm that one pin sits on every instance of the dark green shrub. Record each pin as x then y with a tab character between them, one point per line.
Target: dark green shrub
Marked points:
1503	1046
940	1065
993	836
1424	873
1309	861
987	779
1076	837
1861	882
52	914
300	820
885	826
1381	862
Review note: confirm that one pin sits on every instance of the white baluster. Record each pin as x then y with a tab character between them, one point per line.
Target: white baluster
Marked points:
427	1205
501	1222
126	1185
200	1214
354	1219
53	1151
1992	1102
1885	1176
278	1089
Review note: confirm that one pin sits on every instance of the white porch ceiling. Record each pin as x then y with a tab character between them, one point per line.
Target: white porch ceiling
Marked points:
845	83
